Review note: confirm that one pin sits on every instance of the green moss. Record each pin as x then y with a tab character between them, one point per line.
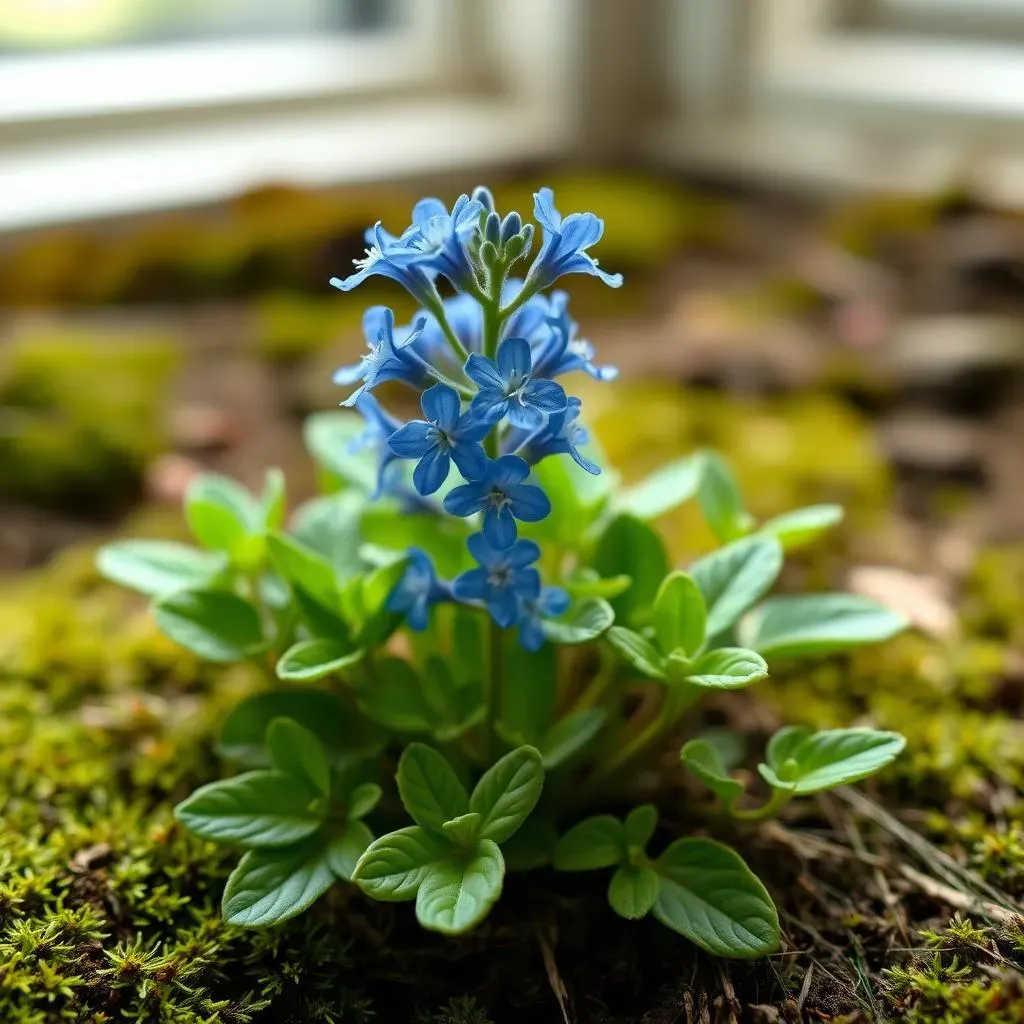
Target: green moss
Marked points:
81	412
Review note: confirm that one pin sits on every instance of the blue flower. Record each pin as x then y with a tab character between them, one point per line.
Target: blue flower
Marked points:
446	434
394	258
508	387
502	496
386	360
417	590
442	236
466	319
565	244
561	351
503	579
550	602
380	425
563	434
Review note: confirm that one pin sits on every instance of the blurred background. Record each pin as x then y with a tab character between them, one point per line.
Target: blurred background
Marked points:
815	204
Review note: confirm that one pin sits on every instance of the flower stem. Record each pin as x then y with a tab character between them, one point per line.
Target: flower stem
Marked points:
436	306
774	804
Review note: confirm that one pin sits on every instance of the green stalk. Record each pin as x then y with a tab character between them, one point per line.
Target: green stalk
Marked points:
436	306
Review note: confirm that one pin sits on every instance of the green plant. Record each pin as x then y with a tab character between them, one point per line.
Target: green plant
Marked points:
391	621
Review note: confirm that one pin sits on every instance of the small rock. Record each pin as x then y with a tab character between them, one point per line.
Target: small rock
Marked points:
168	478
922	599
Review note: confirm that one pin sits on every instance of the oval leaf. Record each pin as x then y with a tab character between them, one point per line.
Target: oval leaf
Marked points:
804	525
640	653
456	895
703	760
214	624
394	865
430	790
814	624
679	614
633	890
734	577
310	660
709	895
271	886
728	668
664	489
329	437
158	567
570	735
835	757
629	547
589	620
303	567
720	499
255	809
394	698
507	793
344	850
598	842
295	751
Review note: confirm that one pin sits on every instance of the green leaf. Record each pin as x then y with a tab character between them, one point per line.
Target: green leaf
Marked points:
507	792
272	500
362	800
588	621
329	526
224	516
394	865
598	842
344	850
258	808
393	528
629	547
721	500
376	621
585	583
711	897
328	437
341	731
271	886
295	751
813	624
703	759
304	568
570	735
464	829
310	660
456	895
783	744
214	624
158	567
430	790
640	824
734	577
640	653
679	614
728	668
633	890
664	490
393	698
802	526
824	760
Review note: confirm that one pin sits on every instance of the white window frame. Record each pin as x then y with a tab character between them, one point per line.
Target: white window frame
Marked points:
785	89
201	122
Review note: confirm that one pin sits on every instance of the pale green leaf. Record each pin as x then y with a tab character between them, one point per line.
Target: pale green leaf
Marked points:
586	622
158	567
456	895
214	624
598	842
640	824
296	751
430	790
703	759
720	499
640	653
570	735
835	757
344	850
507	792
633	890
680	616
311	660
665	489
734	577
728	668
464	829
394	865
802	526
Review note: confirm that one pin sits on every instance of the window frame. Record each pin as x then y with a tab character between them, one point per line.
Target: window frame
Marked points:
450	94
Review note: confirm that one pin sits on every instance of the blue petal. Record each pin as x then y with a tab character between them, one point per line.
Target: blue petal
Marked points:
523	417
522	554
441	406
545	395
346	375
470	585
509	469
411	441
499	528
353	399
418	615
531	636
480	549
553	601
470	428
526	583
427	208
544	211
583	462
580	230
470	458
490	405
431	471
514	359
484	372
376	322
503	606
529	503
464	500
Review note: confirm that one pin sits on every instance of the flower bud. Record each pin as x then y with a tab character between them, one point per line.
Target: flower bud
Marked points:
482	194
492	228
527	236
488	254
510	227
513	249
